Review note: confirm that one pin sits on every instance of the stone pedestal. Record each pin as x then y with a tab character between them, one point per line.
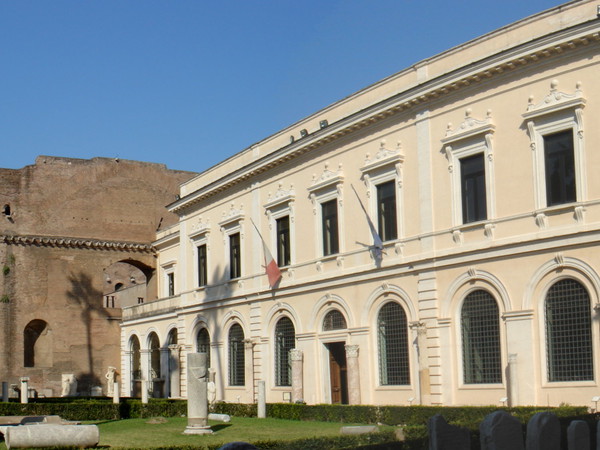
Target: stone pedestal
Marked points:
116	398
4	391
353	374
24	389
262	403
197	380
297	362
144	391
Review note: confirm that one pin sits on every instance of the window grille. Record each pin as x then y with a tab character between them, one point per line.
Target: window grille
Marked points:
236	356
329	224
283	241
386	211
569	332
480	329
285	340
472	180
203	344
559	162
334	320
392	337
202	265
235	256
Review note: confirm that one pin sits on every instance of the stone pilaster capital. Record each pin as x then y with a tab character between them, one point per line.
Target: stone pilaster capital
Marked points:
296	354
351	351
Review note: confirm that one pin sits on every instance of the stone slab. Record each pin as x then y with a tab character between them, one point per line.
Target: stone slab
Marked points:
363	429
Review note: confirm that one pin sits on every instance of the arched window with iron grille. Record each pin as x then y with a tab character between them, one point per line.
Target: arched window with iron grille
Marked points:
236	356
480	333
569	332
203	344
285	340
392	339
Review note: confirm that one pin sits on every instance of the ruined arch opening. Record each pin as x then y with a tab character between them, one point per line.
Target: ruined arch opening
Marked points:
37	344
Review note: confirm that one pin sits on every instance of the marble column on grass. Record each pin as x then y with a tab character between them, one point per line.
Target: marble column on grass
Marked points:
353	374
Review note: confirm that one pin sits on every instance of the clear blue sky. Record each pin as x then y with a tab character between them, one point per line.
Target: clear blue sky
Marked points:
189	83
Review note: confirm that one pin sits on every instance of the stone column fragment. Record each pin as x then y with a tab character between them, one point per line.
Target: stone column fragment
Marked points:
353	374
296	360
197	380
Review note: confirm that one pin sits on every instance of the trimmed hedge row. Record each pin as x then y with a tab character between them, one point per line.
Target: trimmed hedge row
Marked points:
104	409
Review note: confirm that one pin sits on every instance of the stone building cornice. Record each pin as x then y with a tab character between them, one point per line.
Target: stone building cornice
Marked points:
413	98
79	243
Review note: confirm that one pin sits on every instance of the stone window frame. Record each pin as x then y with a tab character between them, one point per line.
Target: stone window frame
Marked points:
328	186
199	236
557	112
471	137
385	166
233	223
169	269
280	205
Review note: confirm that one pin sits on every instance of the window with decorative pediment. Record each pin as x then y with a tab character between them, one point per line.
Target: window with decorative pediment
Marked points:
382	174
200	232
280	211
326	194
231	226
555	127
469	151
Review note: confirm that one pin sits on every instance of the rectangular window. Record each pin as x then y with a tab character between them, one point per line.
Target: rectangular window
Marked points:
329	217
235	256
559	163
473	194
283	241
386	211
171	284
202	266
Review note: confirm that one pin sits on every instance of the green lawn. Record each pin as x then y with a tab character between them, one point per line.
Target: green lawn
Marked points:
140	433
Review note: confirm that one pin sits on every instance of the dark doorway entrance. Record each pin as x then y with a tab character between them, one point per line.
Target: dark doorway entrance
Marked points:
338	372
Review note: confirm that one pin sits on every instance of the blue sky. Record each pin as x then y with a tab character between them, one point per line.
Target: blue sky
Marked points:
190	83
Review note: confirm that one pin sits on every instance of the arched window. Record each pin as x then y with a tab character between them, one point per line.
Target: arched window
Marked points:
480	333
37	341
154	345
285	340
392	338
236	356
569	332
203	344
334	320
135	362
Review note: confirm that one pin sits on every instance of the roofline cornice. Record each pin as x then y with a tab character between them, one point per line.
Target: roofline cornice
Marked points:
494	65
79	243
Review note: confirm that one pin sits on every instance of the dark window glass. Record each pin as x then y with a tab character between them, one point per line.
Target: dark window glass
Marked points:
392	339
334	320
236	356
386	211
171	282
283	242
285	340
202	266
569	332
203	344
472	181
480	330
329	216
559	163
235	256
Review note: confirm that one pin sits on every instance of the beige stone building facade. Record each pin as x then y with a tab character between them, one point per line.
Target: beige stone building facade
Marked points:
477	168
75	246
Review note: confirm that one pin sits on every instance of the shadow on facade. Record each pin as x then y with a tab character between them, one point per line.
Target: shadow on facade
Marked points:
89	300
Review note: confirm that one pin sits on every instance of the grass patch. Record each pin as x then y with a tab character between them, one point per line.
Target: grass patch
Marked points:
138	433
